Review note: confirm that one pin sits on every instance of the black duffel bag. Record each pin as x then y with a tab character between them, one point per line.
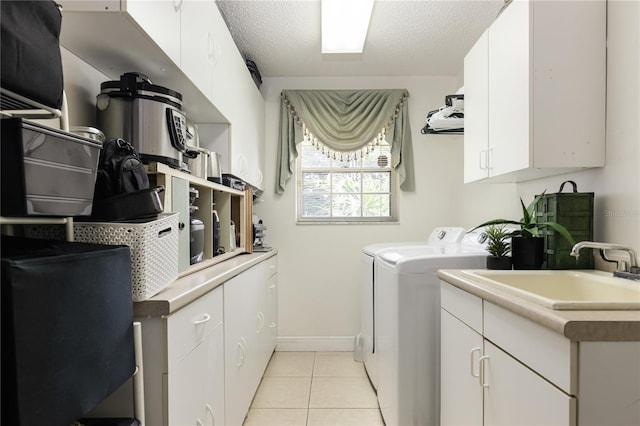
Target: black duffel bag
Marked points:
31	65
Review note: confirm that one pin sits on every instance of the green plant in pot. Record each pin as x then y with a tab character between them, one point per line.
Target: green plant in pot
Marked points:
498	246
527	243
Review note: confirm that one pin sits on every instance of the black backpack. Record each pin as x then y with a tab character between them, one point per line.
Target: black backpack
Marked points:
120	170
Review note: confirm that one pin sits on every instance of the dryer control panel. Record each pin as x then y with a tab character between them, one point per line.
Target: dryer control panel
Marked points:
446	235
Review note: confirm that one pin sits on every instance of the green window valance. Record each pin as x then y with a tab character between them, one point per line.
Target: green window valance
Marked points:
345	121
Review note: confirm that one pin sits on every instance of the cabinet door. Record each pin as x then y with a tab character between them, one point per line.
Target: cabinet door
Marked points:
517	396
476	120
161	21
196	385
199	50
267	310
180	205
228	68
270	314
213	378
185	401
460	349
247	133
240	319
509	90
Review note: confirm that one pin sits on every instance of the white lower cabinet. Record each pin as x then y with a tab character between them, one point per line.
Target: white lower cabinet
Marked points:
203	362
500	368
516	395
195	363
461	348
493	387
249	316
197	385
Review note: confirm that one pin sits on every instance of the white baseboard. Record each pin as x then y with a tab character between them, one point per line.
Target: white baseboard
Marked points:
314	344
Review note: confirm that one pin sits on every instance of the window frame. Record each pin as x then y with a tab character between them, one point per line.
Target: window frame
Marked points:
393	194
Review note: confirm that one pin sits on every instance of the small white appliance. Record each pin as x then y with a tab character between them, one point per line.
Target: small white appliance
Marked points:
365	345
407	326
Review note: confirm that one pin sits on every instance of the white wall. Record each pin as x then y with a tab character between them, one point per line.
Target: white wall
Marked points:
81	85
318	265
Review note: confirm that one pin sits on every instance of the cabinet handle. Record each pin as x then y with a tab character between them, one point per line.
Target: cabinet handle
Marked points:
199	422
481	364
473	374
243	352
272	325
272	286
209	410
260	317
489	158
204	319
242	164
210	46
483	159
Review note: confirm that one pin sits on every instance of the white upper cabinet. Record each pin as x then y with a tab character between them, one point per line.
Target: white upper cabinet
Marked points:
117	36
183	45
161	20
535	92
247	155
198	50
476	87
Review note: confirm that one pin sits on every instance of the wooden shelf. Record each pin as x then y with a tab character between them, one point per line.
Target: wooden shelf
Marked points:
155	168
230	205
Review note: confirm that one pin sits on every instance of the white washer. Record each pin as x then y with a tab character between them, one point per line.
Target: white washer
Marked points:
365	345
407	326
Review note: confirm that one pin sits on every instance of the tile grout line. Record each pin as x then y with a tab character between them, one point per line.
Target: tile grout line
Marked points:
313	366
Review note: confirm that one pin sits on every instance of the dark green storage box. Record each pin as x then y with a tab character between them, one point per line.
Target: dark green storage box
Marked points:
574	211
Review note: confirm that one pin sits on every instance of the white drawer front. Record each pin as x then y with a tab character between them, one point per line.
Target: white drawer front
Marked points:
192	324
465	306
548	353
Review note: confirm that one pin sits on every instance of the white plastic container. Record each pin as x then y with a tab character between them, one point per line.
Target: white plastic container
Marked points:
153	244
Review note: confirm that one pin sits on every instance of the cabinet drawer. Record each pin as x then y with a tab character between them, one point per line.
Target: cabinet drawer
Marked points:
192	324
270	267
548	353
464	306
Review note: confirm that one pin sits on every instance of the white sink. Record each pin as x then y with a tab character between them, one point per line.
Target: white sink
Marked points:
565	290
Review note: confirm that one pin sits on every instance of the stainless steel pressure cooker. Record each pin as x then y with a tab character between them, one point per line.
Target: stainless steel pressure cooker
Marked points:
148	116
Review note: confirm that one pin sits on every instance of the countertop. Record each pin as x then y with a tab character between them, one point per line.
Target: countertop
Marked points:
591	325
187	289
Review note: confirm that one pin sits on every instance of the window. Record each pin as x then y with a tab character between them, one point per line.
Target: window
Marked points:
345	187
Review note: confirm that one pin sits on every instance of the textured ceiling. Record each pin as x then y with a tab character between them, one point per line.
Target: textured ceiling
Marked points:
406	37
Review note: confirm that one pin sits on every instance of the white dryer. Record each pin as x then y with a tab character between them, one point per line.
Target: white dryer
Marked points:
407	326
365	345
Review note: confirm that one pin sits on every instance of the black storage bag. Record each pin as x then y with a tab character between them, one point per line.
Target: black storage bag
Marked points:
122	186
120	170
31	64
67	328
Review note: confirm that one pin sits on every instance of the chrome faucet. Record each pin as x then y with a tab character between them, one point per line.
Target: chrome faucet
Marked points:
631	272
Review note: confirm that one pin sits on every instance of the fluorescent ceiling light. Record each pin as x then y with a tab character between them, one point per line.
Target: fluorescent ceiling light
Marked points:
344	25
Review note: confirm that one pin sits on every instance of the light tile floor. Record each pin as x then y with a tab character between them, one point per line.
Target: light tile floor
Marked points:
314	389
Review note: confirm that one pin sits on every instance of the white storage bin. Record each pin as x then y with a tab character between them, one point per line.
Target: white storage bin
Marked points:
154	248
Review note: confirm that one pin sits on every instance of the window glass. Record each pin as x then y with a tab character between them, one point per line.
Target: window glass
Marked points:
345	187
